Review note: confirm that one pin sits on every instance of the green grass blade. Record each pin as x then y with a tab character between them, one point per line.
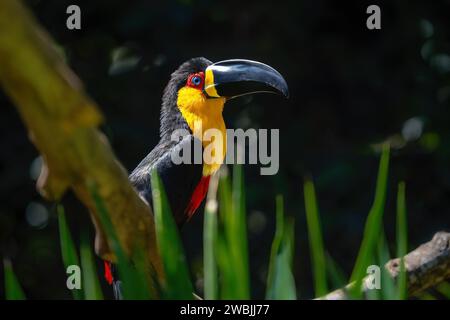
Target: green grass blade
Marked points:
178	284
444	289
427	296
91	285
374	222
402	240
210	243
228	280
280	280
335	274
237	231
225	197
315	240
68	250
232	251
228	285
13	290
135	283
387	291
276	243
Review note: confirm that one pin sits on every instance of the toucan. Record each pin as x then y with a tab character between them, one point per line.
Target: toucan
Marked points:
196	94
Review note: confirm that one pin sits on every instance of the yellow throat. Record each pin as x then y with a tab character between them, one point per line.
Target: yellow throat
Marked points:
202	114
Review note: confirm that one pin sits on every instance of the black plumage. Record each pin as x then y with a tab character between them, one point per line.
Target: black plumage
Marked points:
179	180
184	183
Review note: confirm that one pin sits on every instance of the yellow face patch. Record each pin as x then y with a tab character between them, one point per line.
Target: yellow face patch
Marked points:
209	84
202	114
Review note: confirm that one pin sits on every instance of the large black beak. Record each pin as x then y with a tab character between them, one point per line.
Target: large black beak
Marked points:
237	77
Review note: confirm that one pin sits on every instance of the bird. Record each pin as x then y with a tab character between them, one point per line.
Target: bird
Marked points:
196	94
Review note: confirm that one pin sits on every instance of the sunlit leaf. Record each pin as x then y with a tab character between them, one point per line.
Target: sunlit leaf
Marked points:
335	274
232	251
210	243
13	290
387	290
315	240
374	223
91	285
444	289
280	280
178	284
68	249
402	240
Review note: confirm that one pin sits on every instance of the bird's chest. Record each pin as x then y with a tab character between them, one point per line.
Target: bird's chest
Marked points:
211	131
204	118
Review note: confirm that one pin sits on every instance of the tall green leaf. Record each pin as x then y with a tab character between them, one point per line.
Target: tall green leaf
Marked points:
68	250
280	280
444	289
232	251
178	284
374	222
91	285
426	296
13	290
402	240
228	279
387	290
315	240
237	232
210	243
335	274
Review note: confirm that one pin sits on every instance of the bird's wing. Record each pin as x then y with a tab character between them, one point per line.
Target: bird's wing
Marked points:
180	180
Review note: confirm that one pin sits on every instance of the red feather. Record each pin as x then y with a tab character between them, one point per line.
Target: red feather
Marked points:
108	272
197	196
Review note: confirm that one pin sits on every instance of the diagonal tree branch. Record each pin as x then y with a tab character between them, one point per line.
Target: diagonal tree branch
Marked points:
62	123
426	266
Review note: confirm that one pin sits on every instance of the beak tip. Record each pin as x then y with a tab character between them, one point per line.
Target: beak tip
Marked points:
283	89
286	93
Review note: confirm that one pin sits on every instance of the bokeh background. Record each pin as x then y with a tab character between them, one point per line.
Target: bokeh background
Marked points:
351	89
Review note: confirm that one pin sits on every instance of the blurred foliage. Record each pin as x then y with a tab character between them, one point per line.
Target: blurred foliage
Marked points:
280	280
68	249
224	277
315	240
13	290
351	90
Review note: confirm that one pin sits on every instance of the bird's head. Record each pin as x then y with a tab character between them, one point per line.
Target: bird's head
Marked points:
197	92
198	89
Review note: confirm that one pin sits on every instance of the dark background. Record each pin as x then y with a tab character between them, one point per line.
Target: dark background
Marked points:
351	89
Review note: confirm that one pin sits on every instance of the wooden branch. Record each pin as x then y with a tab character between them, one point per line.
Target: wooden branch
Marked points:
62	123
426	266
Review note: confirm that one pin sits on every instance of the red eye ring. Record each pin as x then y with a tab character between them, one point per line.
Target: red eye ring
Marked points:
196	80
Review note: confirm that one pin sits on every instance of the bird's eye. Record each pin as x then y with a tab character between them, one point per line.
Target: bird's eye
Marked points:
196	80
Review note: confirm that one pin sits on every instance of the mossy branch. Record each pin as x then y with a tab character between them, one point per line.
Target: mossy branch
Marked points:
62	122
